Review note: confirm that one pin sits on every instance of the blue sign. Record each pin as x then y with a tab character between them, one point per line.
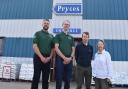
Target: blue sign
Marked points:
70	8
71	30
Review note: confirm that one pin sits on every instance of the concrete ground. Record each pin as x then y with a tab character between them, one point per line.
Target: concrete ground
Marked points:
27	85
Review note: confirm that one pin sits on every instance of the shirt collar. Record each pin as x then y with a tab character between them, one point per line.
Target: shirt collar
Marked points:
44	31
101	52
65	32
85	44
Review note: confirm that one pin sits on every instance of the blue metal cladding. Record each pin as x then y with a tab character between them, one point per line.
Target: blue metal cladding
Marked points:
118	49
22	47
18	47
26	9
105	9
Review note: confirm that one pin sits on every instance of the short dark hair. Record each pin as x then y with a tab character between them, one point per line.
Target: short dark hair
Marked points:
46	20
87	33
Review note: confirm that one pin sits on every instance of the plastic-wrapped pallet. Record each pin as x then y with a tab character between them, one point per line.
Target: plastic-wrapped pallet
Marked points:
15	69
30	71
23	71
10	71
120	78
1	70
26	72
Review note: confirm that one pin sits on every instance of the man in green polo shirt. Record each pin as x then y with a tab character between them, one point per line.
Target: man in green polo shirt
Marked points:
64	46
42	46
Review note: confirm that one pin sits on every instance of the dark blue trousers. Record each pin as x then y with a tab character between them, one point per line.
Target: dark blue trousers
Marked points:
63	72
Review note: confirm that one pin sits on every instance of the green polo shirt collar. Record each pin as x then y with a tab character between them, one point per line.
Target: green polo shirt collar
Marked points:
65	33
44	31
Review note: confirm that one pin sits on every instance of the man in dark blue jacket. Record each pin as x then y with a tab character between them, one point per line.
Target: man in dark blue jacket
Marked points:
83	56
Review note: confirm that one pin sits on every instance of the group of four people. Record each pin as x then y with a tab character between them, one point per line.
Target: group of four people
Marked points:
44	45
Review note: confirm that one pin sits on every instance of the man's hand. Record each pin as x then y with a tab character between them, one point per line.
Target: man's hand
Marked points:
94	78
67	60
43	59
48	59
109	82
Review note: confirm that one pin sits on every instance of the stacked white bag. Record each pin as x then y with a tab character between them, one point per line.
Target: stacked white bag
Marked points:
1	70
26	72
15	69
120	78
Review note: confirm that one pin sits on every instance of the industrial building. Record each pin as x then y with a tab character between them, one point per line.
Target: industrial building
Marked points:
103	19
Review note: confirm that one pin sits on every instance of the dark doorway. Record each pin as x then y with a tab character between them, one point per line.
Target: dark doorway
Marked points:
2	40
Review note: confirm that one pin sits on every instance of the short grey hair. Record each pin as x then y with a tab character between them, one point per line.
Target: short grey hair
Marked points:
102	40
66	21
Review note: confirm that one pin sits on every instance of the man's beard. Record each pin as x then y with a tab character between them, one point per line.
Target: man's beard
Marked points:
45	28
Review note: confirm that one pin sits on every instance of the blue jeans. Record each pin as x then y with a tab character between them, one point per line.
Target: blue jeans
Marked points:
63	71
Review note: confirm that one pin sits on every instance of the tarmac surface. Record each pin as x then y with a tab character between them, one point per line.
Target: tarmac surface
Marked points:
27	85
